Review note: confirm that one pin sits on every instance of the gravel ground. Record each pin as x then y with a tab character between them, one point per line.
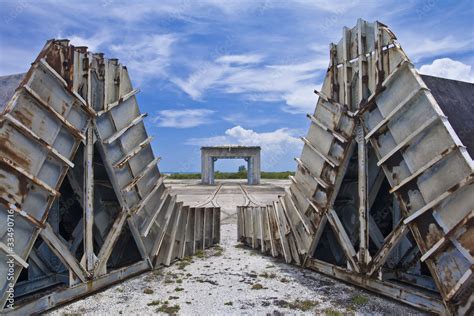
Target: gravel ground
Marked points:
230	279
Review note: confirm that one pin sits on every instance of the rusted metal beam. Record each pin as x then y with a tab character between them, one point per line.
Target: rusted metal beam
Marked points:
362	187
331	161
71	128
390	242
62	252
112	105
420	299
119	164
425	167
320	181
142	174
317	122
343	239
119	133
109	243
409	138
88	210
29	176
9	252
466	181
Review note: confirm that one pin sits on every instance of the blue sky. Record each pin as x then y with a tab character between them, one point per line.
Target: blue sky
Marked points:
232	72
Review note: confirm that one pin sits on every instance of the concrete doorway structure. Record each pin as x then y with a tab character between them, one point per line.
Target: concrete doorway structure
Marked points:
251	154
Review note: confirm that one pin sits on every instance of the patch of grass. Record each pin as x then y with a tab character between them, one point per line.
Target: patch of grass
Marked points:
302	305
120	290
182	264
154	303
257	286
173	298
284	280
148	291
228	303
168	281
267	275
188	302
158	273
179	281
188	274
218	250
167	309
332	312
178	289
359	300
240	246
200	254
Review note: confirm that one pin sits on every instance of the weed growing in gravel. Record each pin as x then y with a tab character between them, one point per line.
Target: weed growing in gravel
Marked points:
267	275
219	250
359	300
228	303
148	291
304	305
200	254
168	281
257	286
154	303
171	310
239	246
178	289
332	312
173	298
179	281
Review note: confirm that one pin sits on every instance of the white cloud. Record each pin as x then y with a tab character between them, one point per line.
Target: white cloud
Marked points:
291	82
94	43
278	146
182	118
417	48
147	56
239	59
448	68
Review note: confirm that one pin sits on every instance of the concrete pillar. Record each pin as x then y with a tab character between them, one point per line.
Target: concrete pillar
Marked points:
212	160
254	161
249	170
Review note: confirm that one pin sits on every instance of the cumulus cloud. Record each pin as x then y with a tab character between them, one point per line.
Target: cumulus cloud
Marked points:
278	146
182	118
448	68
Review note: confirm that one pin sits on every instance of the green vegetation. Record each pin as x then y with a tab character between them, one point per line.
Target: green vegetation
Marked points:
332	312
165	308
233	175
257	286
178	289
302	305
267	275
359	300
154	303
228	303
148	291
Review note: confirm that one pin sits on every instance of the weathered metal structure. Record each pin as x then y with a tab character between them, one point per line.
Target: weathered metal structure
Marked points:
383	197
251	154
82	201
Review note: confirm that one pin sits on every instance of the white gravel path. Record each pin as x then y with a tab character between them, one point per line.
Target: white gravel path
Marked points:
220	281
